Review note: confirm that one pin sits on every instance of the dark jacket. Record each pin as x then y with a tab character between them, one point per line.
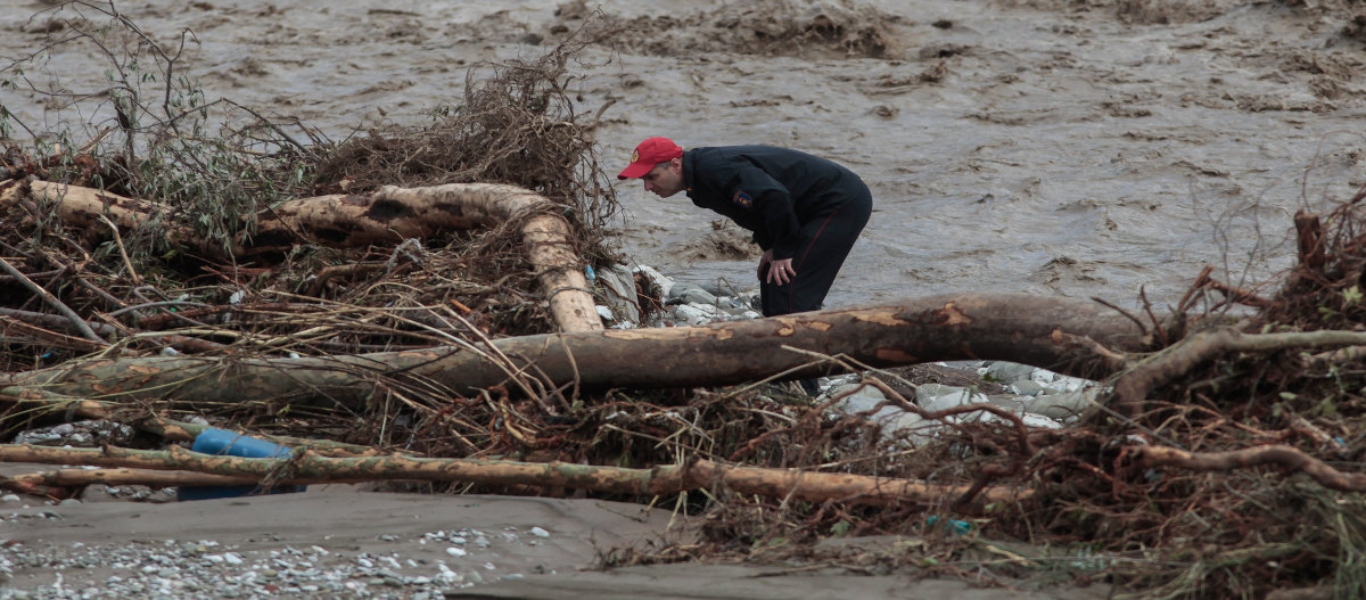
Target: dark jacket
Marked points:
769	191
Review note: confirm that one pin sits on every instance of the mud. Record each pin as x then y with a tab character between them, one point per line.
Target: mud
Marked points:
1076	148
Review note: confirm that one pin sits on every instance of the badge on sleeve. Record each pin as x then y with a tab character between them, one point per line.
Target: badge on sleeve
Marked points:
743	199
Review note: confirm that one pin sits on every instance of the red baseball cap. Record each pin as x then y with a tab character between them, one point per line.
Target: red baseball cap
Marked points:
648	154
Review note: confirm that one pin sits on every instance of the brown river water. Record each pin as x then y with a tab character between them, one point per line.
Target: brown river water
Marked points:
1078	148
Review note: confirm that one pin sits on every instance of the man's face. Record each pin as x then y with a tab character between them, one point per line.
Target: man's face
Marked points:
666	179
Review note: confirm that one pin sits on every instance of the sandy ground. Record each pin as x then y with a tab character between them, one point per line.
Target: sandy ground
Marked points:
343	525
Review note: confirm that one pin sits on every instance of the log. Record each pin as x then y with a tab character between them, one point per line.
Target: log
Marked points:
120	477
35	402
387	216
307	467
1069	336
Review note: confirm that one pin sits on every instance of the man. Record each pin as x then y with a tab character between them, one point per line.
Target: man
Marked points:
805	211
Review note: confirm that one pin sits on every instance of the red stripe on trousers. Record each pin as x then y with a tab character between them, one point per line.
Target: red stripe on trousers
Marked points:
791	289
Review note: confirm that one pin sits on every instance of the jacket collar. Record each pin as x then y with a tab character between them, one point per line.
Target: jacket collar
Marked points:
688	171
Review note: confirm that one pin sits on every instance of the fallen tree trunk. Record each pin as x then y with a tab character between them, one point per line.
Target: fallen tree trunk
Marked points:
1069	336
124	476
387	216
307	467
36	402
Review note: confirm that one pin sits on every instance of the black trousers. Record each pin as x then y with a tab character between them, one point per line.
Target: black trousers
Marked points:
825	243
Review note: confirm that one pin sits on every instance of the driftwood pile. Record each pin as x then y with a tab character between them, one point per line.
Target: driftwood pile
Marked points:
440	336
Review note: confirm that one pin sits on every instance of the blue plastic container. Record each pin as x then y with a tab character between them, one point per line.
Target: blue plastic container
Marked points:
223	442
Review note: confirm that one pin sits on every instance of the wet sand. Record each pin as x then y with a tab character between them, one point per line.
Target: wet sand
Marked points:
343	525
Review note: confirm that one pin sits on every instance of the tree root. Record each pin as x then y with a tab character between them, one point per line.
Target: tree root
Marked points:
1284	456
1132	388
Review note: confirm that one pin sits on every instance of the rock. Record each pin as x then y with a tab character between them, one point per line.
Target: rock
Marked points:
893	420
81	434
1062	406
695	314
1026	387
948	397
1040	422
751	298
926	391
685	293
1007	372
865	400
1064	384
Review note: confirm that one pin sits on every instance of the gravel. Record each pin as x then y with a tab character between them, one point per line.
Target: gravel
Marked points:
180	569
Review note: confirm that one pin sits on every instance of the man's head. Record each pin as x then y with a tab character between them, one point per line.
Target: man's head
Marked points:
658	162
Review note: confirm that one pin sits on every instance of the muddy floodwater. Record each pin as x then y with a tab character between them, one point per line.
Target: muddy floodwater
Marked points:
1051	147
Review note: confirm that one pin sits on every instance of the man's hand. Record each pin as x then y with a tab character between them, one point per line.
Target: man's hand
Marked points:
781	272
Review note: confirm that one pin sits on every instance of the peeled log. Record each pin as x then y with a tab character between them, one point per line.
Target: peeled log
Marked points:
387	216
306	467
1065	335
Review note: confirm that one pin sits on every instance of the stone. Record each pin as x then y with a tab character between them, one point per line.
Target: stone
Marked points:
1007	372
1065	384
695	314
924	392
1062	406
892	419
952	399
686	293
1040	422
1026	387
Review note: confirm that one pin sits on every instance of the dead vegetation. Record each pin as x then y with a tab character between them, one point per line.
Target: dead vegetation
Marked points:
1222	467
